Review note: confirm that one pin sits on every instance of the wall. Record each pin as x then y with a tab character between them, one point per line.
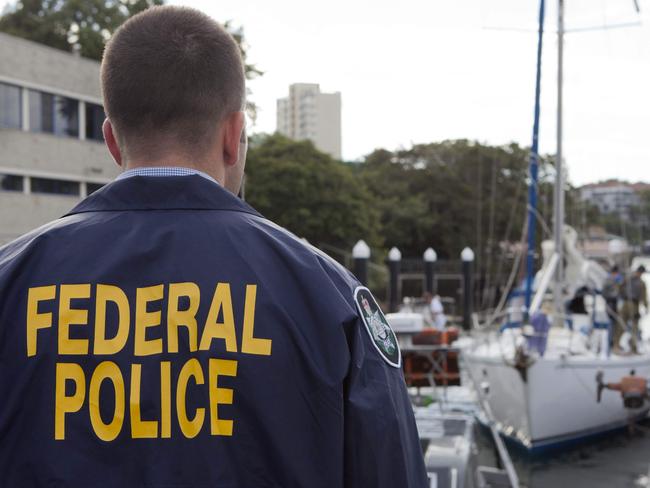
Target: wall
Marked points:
328	123
54	155
30	154
32	63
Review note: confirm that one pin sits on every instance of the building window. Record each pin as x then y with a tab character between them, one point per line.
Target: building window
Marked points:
93	187
55	187
53	114
94	120
10	107
11	183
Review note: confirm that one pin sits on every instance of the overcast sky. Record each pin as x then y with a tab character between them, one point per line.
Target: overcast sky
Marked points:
415	71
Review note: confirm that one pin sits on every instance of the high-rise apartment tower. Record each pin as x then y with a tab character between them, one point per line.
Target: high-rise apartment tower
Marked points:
309	114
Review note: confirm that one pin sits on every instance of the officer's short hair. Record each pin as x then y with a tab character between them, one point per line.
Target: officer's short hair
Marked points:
170	72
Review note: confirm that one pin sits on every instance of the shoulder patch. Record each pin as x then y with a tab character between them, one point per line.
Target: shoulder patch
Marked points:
381	335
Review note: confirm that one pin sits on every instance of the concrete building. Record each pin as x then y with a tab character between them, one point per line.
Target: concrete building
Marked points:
51	146
309	114
613	196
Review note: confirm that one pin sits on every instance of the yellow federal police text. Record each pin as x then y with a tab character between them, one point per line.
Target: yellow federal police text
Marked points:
57	306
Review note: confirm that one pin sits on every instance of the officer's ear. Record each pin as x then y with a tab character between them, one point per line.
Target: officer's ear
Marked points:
111	142
233	127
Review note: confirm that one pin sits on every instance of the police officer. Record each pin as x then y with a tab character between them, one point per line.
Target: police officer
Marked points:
634	294
612	292
163	333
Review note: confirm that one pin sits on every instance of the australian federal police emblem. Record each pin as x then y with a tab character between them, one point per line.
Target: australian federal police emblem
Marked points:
382	336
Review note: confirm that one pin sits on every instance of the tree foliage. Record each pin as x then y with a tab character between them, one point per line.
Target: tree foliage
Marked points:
63	24
309	193
452	194
88	24
445	195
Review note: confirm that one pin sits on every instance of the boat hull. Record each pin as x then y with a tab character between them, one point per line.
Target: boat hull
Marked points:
556	404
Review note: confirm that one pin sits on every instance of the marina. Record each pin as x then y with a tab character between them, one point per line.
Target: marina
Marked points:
373	268
539	362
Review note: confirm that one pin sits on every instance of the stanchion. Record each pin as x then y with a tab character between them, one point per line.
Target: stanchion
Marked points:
467	257
361	255
394	260
430	257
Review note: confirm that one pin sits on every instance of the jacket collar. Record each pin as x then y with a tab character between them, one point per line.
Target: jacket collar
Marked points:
162	193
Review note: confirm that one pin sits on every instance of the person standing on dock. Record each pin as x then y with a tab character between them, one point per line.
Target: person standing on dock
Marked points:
634	294
436	310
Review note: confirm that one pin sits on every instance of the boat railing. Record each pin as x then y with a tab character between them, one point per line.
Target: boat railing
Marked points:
512	321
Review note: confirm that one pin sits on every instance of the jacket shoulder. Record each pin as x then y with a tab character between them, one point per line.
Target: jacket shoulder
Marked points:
11	252
301	249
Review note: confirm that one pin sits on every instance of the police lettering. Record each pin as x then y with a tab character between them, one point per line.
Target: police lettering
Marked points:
127	399
153	331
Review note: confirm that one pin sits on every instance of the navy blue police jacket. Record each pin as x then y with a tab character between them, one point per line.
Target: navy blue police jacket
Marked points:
164	334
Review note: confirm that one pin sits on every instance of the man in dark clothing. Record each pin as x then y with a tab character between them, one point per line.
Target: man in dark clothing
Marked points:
164	333
634	294
611	294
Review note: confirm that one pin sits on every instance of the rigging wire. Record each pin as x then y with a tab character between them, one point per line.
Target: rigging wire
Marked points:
490	240
513	274
511	219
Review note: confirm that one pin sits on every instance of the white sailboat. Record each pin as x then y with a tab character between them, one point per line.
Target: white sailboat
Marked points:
542	386
540	381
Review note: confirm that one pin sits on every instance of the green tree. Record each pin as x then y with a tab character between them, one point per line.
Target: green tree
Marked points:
88	24
251	70
309	193
63	24
452	194
447	195
404	214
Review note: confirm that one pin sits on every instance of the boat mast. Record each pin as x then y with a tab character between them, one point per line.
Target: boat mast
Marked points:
533	168
558	222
